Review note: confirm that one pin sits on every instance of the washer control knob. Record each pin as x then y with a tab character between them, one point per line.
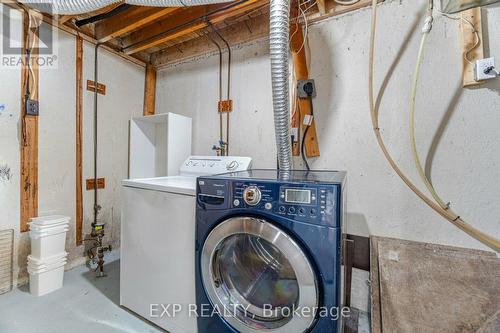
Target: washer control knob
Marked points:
282	209
236	202
268	205
291	210
232	165
252	195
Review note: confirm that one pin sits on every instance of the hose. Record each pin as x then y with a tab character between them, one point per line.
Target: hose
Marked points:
484	238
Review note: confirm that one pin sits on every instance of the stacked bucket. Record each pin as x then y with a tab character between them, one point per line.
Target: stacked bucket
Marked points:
48	255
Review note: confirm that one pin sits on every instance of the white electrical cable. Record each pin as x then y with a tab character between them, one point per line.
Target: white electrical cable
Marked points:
346	2
474	30
486	239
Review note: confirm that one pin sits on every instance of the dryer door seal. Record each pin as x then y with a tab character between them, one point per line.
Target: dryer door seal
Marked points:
258	278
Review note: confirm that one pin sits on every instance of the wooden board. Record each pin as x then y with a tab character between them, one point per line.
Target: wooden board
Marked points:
150	90
303	104
101	88
29	137
130	20
435	288
468	39
101	184
79	158
184	23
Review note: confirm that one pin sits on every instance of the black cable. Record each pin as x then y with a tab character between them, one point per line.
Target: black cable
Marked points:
304	158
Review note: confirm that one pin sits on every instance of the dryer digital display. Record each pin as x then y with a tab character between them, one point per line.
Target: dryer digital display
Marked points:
298	196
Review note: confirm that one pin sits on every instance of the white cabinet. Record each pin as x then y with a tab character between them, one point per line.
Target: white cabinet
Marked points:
159	144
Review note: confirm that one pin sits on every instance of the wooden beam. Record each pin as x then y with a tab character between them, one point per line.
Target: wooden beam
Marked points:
185	22
468	40
29	132
130	20
242	32
86	37
150	90
303	105
321	6
79	125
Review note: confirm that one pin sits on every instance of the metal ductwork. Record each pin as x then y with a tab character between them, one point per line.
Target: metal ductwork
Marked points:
279	31
174	3
68	7
279	46
76	7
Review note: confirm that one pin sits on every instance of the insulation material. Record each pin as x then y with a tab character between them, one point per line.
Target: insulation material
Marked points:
6	260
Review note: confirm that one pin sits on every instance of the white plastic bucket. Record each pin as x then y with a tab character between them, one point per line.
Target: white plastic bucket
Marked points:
48	235
45	281
46	275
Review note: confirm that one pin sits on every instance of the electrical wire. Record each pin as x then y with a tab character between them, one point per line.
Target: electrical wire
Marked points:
486	239
474	30
302	148
346	2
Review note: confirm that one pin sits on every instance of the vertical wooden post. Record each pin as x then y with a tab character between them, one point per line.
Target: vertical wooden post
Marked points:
29	131
468	40
79	122
150	90
301	73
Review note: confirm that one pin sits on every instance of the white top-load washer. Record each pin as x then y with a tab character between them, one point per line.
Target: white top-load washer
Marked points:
157	269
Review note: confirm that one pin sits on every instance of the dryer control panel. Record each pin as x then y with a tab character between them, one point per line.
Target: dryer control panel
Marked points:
307	197
302	202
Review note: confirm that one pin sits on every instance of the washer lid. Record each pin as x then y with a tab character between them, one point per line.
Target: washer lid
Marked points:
174	184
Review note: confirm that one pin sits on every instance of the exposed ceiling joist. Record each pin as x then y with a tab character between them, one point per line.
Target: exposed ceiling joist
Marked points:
130	20
185	22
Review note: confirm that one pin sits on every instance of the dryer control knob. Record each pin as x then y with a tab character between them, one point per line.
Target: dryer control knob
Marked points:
252	195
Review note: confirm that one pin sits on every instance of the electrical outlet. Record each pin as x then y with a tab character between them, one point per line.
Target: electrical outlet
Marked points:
306	88
32	107
485	69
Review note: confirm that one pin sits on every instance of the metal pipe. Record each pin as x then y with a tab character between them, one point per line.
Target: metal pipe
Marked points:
221	137
228	82
96	72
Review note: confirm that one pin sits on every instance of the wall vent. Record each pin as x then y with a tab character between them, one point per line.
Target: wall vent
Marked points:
6	260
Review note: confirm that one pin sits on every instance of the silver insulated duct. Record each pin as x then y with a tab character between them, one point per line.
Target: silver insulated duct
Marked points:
68	7
279	31
75	7
279	41
173	3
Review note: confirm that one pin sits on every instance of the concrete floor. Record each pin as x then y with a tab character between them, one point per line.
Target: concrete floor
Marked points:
85	304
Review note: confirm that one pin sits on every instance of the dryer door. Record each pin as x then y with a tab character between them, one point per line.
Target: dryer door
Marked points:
256	276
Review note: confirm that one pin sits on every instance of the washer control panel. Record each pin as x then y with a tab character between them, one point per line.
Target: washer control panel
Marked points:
211	165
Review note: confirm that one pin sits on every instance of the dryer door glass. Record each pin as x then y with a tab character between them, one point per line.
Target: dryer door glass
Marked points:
255	272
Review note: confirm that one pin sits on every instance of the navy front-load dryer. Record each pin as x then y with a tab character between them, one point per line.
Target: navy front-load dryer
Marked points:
268	252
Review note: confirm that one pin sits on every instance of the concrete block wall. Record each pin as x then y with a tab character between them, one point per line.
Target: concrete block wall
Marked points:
457	129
